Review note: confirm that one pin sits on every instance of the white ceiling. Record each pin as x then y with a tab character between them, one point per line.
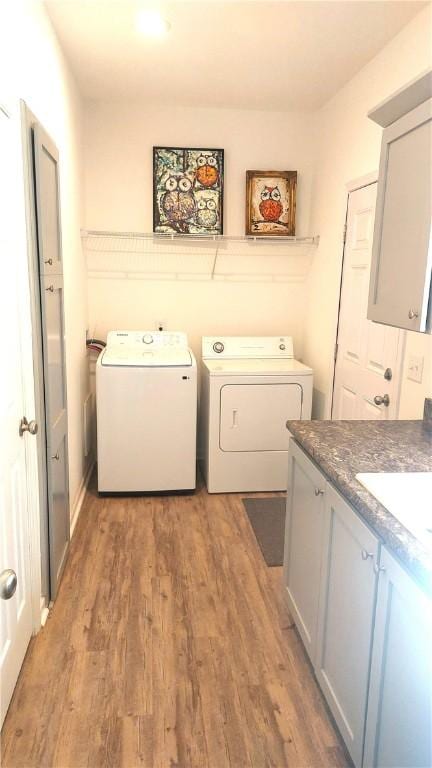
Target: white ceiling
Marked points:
284	55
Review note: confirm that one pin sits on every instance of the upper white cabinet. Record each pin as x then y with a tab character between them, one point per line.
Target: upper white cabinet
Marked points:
400	284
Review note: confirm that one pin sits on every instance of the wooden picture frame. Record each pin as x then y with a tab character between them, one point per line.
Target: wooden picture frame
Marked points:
271	203
188	186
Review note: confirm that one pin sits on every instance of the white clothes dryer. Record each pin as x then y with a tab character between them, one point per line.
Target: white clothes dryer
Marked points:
250	387
146	398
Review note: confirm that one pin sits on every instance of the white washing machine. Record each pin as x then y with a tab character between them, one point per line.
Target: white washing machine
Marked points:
146	397
250	387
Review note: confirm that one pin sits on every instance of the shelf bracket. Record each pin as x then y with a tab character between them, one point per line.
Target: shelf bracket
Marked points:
214	261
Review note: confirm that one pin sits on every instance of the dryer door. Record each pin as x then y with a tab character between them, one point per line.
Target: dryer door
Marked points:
253	416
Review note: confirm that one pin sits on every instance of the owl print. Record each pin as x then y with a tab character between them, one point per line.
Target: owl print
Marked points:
188	191
178	201
206	213
270	206
271	203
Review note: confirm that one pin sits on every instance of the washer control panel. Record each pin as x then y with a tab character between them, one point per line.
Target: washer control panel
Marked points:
147	339
248	347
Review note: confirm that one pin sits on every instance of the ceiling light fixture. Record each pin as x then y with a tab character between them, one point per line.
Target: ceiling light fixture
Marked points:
151	24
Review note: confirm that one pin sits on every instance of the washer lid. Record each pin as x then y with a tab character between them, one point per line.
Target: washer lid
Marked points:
257	367
117	356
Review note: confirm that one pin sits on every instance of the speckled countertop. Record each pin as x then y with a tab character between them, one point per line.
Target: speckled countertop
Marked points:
342	449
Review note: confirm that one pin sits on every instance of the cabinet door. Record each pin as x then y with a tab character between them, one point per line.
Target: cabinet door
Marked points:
401	256
303	543
347	603
398	728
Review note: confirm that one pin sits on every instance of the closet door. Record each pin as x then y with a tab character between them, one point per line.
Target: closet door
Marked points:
53	340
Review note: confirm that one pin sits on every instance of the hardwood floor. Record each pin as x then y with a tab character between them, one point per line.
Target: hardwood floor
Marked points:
169	645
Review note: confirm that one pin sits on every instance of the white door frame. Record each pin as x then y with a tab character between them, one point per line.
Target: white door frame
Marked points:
353	186
31	452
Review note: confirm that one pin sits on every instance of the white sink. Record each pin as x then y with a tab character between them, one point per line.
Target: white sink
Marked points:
408	496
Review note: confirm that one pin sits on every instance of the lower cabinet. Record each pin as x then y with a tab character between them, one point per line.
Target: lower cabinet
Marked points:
346	616
303	544
399	719
365	623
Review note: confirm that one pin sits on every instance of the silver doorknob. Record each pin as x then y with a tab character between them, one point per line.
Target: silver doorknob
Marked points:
382	400
412	313
365	554
28	426
8	584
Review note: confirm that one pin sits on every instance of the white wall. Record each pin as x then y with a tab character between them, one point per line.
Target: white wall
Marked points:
33	68
118	182
349	147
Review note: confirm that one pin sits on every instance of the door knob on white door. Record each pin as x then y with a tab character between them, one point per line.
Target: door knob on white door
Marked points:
382	400
412	314
8	584
28	426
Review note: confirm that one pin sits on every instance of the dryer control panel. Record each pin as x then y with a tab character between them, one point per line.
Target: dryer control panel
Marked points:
147	339
248	347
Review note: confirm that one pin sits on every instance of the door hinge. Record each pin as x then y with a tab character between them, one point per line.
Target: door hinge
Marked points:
344	233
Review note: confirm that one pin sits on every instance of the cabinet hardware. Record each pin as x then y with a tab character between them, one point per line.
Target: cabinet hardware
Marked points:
388	374
56	456
382	400
365	555
50	288
48	261
412	314
378	568
319	492
28	426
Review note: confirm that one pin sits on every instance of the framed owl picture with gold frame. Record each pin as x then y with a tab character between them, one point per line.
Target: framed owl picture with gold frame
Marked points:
271	202
188	191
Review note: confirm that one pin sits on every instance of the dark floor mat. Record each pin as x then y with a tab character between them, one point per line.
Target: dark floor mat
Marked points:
267	518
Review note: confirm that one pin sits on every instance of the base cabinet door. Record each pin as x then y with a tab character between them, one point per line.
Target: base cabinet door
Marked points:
347	604
303	544
399	717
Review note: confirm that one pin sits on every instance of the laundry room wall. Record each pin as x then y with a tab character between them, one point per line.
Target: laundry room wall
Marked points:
118	196
33	68
349	147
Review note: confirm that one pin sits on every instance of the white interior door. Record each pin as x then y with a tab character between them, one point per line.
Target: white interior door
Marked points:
53	343
368	362
15	593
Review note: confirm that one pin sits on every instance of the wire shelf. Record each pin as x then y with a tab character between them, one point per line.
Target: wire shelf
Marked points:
136	255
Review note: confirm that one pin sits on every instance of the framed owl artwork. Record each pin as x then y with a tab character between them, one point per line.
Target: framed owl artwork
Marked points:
188	191
271	202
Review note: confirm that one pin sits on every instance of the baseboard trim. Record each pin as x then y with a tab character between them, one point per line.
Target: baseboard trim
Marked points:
80	497
44	611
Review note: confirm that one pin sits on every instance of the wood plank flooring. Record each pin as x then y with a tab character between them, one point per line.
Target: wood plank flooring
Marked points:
169	645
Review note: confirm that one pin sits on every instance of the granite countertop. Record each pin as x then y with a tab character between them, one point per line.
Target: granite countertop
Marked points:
342	449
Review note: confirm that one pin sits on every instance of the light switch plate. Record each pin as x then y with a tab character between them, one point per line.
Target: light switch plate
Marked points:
415	368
